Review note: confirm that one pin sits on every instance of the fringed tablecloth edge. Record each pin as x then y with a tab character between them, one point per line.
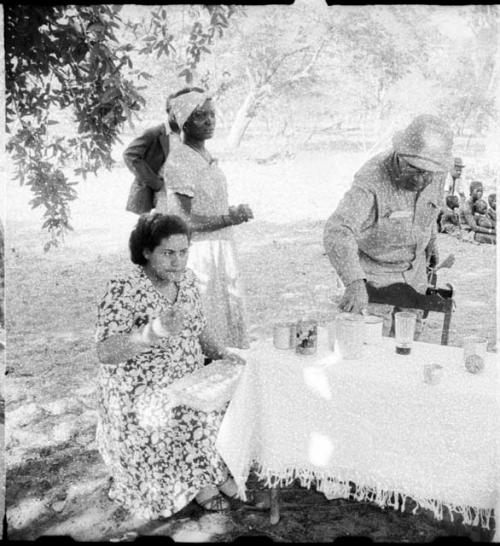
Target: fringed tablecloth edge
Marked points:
382	497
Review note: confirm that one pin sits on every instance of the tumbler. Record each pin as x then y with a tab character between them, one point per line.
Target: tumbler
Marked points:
405	323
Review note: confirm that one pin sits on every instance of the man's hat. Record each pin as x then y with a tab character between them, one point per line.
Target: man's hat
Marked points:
426	144
458	162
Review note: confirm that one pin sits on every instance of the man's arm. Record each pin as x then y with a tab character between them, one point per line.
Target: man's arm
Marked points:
355	211
134	159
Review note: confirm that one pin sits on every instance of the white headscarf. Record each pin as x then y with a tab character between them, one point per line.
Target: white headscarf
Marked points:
184	105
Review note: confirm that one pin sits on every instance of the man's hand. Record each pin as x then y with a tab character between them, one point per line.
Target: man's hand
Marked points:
355	298
433	260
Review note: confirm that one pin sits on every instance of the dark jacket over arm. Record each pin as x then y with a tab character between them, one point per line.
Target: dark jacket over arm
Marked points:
145	156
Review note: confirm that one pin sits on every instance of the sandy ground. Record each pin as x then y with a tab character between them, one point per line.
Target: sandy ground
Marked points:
56	482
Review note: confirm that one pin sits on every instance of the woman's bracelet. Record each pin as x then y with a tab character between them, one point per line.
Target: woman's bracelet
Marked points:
226	220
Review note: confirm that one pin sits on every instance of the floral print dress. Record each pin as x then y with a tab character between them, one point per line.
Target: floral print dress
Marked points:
158	469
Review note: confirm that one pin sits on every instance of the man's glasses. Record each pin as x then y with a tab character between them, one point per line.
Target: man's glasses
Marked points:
408	170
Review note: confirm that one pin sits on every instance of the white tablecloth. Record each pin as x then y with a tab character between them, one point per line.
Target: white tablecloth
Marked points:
372	421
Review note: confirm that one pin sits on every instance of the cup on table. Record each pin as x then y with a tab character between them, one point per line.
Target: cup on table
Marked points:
405	323
350	335
284	334
433	373
306	337
331	335
474	353
373	329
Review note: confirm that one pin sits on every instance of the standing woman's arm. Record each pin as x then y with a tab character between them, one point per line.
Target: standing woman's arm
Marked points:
180	204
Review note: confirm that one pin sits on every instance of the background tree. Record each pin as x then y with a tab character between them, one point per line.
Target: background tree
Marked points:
284	77
70	63
469	80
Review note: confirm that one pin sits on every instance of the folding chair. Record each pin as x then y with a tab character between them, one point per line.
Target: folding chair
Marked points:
438	300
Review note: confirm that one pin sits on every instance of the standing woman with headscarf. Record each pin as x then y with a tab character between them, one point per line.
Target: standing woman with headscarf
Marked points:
196	190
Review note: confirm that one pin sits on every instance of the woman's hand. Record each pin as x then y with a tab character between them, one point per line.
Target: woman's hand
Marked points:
246	211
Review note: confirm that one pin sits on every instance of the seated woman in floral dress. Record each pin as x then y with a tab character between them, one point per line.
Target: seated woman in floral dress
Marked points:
150	332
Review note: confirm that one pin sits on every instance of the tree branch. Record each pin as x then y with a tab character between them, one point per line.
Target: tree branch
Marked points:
280	62
304	72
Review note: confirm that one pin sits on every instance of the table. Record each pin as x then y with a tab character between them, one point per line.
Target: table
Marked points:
371	421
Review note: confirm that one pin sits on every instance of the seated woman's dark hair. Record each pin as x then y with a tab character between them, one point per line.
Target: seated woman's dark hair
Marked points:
171	119
150	230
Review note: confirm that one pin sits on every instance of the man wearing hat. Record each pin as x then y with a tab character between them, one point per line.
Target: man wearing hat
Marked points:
454	181
384	228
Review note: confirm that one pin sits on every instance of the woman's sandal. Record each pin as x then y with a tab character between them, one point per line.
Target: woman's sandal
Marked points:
215	503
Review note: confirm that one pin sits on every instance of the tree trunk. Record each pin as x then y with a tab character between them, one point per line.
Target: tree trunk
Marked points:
241	121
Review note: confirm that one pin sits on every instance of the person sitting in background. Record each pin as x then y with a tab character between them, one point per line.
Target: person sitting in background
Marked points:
151	331
483	220
453	184
468	224
450	221
492	210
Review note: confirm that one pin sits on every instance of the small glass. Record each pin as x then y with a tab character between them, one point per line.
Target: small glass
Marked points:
350	334
405	323
433	373
284	335
474	353
307	337
373	329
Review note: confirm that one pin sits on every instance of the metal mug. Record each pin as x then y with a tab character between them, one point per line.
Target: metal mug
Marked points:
284	334
350	334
